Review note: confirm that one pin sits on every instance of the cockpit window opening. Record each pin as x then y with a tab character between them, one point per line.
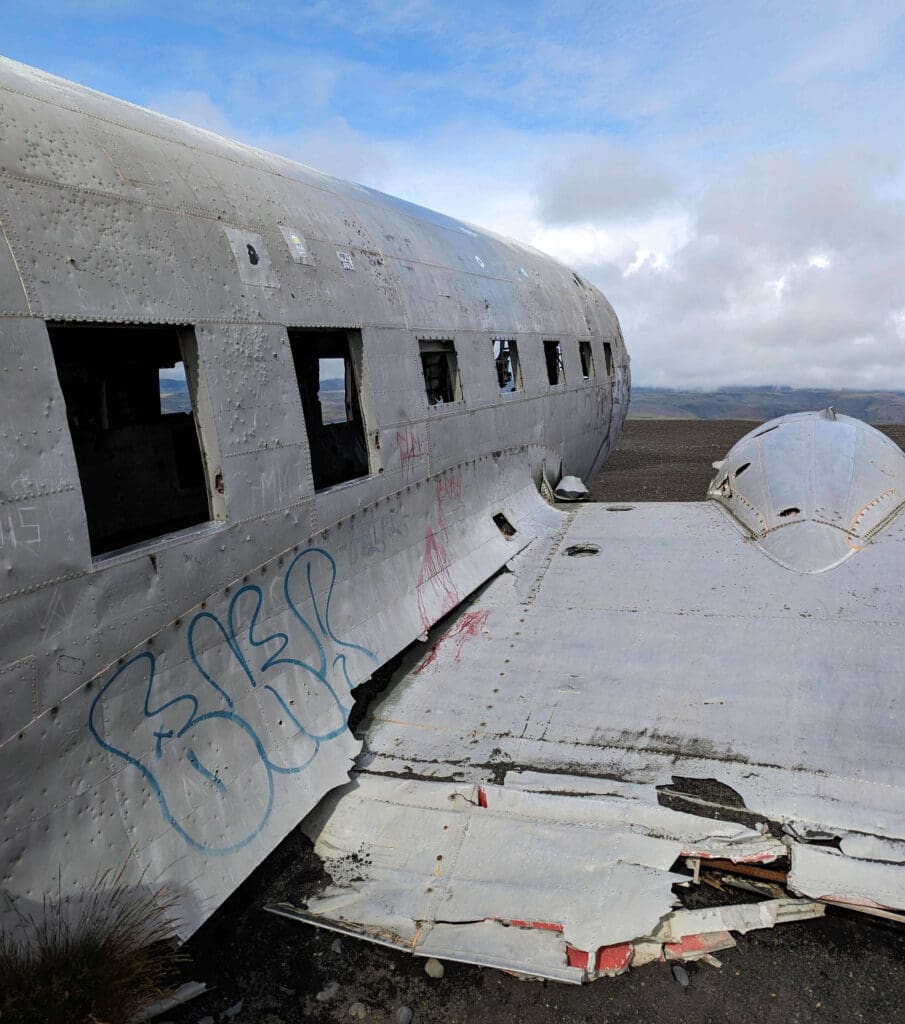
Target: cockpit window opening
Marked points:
131	395
441	371
587	360
328	370
556	373
508	368
608	358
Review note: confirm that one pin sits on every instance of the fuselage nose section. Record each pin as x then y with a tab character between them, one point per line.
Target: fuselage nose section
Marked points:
812	488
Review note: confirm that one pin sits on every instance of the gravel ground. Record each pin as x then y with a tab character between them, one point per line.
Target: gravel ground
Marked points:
843	968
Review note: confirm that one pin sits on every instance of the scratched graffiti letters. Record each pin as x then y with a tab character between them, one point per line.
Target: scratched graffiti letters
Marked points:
376	533
20	528
263	693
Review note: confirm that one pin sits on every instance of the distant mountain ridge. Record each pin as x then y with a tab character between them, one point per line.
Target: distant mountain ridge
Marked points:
764	403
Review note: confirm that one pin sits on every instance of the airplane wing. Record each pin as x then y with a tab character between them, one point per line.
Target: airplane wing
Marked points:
641	693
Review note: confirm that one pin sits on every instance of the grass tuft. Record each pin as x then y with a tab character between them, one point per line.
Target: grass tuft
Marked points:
95	959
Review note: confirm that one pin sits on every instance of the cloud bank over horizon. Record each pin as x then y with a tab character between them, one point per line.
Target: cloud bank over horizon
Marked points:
730	174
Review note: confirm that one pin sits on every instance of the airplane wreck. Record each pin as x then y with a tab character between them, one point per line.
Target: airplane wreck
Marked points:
595	708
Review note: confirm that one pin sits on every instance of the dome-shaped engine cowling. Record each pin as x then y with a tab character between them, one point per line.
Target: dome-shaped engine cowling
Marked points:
812	488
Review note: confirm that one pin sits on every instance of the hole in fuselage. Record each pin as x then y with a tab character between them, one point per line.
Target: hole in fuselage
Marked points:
504	526
578	550
741	469
792	511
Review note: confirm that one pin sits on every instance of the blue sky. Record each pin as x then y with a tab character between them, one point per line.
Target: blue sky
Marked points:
729	173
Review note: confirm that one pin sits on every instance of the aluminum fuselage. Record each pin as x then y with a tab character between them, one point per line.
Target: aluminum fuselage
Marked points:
178	701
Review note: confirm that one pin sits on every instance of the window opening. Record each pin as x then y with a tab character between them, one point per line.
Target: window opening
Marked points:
553	356
332	375
441	372
174	389
131	412
608	357
328	368
508	370
587	360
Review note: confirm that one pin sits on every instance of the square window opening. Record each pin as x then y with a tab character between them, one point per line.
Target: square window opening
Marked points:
553	357
130	403
441	372
327	369
506	361
587	360
608	356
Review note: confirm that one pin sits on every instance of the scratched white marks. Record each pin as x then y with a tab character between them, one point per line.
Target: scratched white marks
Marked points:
20	528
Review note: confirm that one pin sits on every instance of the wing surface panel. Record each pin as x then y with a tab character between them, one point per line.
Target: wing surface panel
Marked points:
590	720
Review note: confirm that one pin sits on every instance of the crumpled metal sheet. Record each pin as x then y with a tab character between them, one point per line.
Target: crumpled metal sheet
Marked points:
571	488
409	856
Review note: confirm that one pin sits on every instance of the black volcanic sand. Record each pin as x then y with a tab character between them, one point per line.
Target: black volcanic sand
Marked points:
846	967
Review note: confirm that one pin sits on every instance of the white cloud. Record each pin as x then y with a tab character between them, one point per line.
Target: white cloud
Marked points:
599	179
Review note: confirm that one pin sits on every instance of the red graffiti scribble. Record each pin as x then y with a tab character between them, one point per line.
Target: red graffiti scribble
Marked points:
435	579
470	625
449	490
410	446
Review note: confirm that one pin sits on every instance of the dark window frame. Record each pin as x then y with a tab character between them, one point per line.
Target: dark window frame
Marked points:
556	371
339	449
145	473
440	370
586	356
507	364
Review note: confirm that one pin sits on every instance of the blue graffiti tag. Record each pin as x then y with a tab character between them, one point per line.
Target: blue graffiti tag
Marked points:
216	807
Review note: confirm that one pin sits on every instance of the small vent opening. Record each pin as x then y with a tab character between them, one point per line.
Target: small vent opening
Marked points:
504	526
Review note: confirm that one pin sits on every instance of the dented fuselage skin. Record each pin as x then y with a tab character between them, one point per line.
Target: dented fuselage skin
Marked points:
188	598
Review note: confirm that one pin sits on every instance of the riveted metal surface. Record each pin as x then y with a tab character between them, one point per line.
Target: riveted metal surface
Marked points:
812	488
42	535
20	698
